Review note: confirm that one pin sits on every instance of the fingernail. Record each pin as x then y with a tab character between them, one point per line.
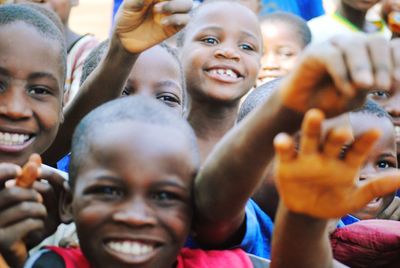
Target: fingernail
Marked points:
39	198
164	21
158	7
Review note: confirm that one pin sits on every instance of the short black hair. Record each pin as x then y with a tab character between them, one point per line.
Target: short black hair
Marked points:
129	109
295	23
12	13
95	56
256	97
373	108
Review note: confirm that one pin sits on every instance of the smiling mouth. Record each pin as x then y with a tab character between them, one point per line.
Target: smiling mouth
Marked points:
224	74
133	248
13	139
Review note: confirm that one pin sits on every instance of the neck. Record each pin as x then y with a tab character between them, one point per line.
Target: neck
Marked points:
356	17
70	36
210	122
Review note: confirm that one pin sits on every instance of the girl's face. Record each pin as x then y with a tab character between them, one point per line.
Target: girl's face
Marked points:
281	49
221	52
156	73
132	200
31	92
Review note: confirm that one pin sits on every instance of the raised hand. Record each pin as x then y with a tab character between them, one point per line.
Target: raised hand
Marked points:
336	76
141	24
317	180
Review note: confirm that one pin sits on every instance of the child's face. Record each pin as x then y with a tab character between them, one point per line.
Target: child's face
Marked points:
362	5
281	49
132	200
381	158
61	7
221	52
30	92
163	82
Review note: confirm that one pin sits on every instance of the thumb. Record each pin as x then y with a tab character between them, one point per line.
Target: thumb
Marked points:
384	184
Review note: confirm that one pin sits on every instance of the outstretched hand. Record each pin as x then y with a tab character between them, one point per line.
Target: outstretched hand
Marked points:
317	180
337	75
141	24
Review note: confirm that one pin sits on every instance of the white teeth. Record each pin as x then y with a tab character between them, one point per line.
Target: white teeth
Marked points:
226	72
132	248
12	138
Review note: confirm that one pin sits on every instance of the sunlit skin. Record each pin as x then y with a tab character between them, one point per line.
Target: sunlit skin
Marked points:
281	49
31	90
163	82
221	40
137	192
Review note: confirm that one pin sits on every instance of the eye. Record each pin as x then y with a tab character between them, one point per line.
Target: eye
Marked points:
39	90
164	196
3	86
169	99
105	191
126	91
385	164
247	47
210	40
379	95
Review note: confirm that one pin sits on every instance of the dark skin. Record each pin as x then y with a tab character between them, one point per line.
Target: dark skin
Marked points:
122	53
30	104
219	42
355	11
238	162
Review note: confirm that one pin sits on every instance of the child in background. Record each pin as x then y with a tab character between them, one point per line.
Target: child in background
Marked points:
31	80
349	18
309	184
132	201
78	46
126	44
221	54
284	36
389	12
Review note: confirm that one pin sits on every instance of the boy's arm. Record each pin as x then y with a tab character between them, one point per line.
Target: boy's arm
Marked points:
137	28
313	191
334	77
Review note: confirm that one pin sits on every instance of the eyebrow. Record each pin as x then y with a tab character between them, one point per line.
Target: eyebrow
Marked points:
32	76
167	83
220	29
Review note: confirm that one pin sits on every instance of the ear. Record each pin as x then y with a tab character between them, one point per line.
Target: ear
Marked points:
65	205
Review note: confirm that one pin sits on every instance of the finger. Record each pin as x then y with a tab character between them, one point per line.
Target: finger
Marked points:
386	183
335	141
311	131
379	50
14	195
22	211
336	67
357	59
174	6
57	179
8	171
392	211
395	52
361	147
177	20
19	230
284	147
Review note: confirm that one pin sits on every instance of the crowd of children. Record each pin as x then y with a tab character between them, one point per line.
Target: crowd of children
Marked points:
186	172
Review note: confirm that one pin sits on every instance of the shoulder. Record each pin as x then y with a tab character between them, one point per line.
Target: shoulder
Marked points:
45	258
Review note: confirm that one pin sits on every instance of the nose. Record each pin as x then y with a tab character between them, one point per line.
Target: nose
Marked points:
136	213
227	52
393	104
270	61
14	104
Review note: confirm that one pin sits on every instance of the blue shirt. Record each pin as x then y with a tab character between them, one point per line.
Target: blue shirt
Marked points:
258	232
307	9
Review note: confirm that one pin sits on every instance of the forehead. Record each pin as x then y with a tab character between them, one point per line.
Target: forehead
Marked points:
146	147
226	15
362	122
42	55
161	63
277	31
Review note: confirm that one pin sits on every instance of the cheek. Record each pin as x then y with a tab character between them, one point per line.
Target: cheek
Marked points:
288	64
177	222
